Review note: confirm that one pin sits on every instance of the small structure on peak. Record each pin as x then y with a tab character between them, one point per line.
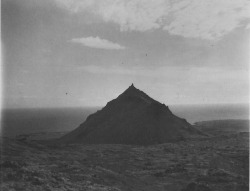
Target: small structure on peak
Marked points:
132	86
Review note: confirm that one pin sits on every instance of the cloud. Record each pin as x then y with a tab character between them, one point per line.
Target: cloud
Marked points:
96	42
111	70
202	75
188	18
134	71
207	19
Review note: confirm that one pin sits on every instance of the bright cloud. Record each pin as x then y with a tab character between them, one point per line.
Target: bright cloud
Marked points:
208	19
205	19
96	42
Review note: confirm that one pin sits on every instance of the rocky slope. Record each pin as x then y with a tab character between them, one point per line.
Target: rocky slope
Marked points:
218	163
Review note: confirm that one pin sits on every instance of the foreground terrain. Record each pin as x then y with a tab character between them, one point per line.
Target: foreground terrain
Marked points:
217	162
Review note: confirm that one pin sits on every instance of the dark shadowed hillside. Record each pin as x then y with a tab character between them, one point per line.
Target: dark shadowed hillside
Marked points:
132	118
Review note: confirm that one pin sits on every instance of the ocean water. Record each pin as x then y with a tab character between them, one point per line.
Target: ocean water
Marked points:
196	113
24	121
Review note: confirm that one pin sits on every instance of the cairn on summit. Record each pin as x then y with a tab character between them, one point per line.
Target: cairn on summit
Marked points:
132	118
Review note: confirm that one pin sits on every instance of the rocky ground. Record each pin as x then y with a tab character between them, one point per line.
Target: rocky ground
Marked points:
213	163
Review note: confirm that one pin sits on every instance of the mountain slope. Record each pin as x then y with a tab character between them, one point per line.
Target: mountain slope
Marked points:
132	118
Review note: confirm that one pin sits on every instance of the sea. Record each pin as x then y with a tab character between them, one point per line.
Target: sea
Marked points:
39	120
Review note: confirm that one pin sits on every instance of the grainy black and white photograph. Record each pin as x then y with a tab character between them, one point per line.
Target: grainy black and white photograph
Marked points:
125	95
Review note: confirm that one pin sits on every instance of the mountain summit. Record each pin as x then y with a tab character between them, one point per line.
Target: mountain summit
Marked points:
132	118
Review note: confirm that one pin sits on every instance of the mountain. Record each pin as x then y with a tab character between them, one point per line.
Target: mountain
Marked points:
132	118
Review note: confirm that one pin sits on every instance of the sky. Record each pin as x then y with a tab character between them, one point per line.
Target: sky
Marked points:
74	53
